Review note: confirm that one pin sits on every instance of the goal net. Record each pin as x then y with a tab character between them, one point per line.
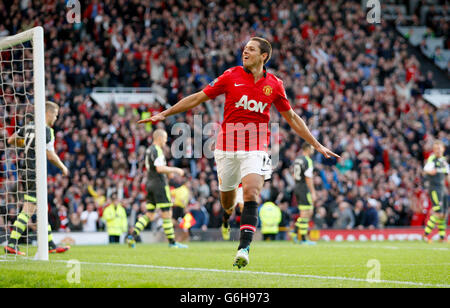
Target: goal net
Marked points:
23	164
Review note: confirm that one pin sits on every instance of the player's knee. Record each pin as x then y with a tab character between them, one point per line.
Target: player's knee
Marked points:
227	199
251	193
440	215
29	208
306	214
166	214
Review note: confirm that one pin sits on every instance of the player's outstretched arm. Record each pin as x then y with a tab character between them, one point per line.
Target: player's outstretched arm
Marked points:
167	170
183	105
299	126
55	160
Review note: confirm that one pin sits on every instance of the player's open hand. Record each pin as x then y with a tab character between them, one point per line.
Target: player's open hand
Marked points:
326	152
155	118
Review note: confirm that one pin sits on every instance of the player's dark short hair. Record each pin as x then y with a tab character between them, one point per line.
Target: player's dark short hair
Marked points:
306	146
265	47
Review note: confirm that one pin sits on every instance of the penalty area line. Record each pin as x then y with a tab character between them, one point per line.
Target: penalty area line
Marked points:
158	267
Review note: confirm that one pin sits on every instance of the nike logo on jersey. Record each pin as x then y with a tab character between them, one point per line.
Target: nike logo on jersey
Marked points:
238	85
251	105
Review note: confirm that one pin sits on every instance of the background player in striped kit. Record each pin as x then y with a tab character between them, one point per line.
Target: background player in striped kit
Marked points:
158	192
436	170
25	138
304	192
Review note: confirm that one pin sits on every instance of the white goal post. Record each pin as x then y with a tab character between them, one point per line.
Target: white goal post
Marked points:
36	37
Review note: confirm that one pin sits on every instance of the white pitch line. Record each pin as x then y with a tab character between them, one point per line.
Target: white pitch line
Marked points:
363	265
384	247
420	284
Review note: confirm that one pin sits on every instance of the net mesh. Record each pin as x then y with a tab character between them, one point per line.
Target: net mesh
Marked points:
16	162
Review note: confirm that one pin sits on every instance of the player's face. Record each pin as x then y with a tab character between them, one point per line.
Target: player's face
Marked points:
164	139
438	149
51	116
251	56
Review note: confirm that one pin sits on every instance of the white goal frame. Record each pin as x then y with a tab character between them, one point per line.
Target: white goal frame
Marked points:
36	36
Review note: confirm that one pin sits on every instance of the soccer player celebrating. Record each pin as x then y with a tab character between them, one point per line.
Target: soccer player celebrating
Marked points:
25	137
437	169
242	144
158	192
304	191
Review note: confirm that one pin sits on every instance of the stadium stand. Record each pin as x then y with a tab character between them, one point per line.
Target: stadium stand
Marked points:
427	26
354	83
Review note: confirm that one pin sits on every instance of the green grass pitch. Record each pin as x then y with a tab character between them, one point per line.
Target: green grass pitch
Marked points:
209	264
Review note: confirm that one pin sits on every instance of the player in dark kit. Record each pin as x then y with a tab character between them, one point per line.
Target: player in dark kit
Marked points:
436	170
304	192
158	192
25	138
242	145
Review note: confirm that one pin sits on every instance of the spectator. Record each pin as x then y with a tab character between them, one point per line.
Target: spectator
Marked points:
439	58
215	215
284	225
75	224
359	214
115	217
319	218
371	217
200	215
89	218
344	217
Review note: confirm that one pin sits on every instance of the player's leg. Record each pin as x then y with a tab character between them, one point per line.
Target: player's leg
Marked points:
227	199
306	209
436	216
255	167
442	222
164	202
228	173
166	215
52	248
141	224
20	226
302	224
169	231
252	185
145	219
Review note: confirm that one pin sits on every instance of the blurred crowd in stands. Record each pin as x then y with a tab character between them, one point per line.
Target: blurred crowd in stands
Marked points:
435	16
354	84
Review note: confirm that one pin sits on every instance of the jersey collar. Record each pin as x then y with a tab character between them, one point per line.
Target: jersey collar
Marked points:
249	72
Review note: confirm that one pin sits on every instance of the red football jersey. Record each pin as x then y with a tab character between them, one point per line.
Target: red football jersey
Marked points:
246	118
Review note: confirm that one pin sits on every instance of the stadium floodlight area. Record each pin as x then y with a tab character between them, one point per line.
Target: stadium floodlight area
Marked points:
22	101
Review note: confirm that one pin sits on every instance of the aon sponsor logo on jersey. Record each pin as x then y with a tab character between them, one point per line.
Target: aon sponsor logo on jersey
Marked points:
251	105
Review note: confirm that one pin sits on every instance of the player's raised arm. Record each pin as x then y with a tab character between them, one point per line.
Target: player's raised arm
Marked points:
183	105
299	126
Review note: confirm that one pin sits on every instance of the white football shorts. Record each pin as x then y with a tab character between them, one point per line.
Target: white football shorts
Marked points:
233	166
